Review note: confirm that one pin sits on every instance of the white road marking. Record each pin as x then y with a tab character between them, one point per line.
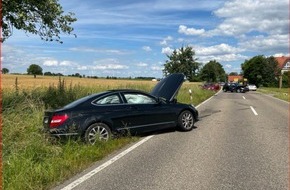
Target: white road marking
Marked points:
244	97
104	165
206	100
253	110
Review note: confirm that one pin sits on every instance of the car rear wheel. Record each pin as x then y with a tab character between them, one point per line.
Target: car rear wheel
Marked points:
186	121
97	132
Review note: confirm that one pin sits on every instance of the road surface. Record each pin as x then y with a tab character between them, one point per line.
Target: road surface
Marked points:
241	142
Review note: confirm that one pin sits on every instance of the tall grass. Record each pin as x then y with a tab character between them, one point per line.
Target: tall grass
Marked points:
30	159
281	93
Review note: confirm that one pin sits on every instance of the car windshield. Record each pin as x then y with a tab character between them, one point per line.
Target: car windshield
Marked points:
134	98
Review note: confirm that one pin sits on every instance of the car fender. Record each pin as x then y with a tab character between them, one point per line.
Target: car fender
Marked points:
194	113
96	119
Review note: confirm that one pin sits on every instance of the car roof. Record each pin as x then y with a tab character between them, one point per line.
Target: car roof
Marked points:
125	90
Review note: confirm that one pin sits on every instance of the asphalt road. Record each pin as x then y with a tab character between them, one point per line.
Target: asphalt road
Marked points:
241	143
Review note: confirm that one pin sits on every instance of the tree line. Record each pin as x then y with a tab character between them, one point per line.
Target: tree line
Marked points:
259	70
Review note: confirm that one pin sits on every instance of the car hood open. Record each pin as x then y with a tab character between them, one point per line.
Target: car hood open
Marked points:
168	87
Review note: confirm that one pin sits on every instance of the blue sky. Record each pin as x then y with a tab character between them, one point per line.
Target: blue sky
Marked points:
132	38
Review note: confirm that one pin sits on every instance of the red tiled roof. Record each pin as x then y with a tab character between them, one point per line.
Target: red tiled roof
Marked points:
282	61
233	78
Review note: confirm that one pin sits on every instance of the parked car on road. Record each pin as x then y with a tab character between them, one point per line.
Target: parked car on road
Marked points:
252	87
106	114
235	87
211	86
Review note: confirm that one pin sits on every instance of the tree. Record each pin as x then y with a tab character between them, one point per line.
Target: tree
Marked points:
213	71
182	61
5	70
48	73
233	74
34	70
43	18
260	70
285	79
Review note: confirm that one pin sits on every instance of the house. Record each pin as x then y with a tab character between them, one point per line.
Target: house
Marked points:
283	63
235	78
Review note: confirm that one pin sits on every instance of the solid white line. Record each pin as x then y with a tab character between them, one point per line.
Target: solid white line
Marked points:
101	167
253	110
207	100
244	97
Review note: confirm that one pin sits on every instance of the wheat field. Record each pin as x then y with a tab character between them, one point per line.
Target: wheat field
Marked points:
8	81
26	82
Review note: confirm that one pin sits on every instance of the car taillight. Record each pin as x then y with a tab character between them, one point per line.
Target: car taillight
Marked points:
57	120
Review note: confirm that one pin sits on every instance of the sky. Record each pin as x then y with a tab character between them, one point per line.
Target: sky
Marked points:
132	38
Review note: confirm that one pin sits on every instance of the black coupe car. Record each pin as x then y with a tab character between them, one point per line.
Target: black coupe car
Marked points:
235	87
103	115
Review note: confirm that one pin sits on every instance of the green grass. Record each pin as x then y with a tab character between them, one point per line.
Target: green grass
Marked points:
281	93
31	160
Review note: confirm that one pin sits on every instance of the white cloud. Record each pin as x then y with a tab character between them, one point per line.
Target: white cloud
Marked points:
228	66
102	51
167	50
165	41
280	55
146	48
110	67
108	64
240	17
50	63
142	64
273	43
67	63
83	68
190	31
222	58
157	68
220	49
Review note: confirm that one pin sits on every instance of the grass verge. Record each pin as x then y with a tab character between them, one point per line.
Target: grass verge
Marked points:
281	93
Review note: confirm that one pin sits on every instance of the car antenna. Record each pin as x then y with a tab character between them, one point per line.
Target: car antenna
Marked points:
190	93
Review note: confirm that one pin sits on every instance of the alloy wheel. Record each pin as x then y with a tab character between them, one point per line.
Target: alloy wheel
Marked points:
97	132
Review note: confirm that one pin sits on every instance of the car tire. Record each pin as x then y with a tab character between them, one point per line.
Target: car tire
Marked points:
186	121
238	90
97	132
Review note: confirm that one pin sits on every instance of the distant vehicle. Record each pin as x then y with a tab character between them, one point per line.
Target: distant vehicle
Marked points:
252	87
98	117
235	87
211	86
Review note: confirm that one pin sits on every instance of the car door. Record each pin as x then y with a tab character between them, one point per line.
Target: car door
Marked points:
146	113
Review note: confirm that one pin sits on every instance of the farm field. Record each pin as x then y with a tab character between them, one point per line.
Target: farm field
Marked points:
30	159
28	82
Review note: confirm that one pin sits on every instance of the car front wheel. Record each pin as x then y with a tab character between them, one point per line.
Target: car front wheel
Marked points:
97	132
186	121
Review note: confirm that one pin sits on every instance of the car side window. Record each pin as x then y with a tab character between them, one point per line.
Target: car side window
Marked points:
135	98
112	99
